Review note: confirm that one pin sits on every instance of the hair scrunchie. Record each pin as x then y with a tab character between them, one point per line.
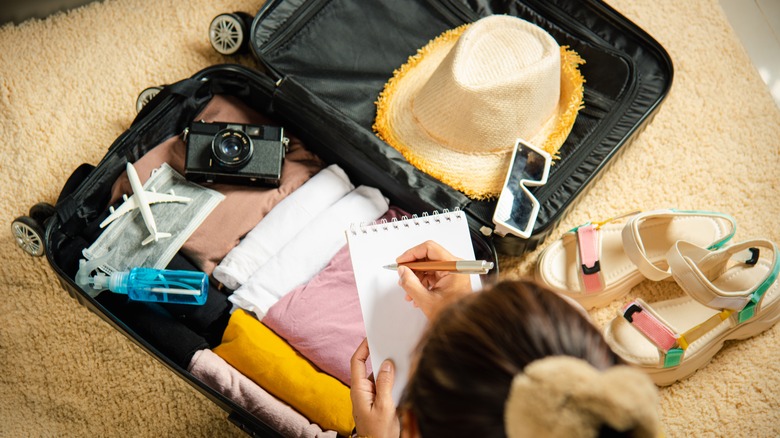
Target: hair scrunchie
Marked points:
566	396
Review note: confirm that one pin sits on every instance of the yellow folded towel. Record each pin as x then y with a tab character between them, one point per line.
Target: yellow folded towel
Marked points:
258	353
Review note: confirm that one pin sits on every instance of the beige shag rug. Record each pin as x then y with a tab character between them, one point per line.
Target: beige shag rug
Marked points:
68	86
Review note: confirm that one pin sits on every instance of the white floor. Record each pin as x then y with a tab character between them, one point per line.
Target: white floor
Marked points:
757	22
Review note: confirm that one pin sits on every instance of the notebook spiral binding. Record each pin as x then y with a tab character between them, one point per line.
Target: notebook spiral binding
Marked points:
405	221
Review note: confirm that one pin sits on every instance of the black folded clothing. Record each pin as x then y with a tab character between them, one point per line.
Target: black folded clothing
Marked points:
208	320
155	325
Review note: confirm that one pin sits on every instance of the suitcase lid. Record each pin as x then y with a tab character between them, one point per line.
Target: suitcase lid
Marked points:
337	55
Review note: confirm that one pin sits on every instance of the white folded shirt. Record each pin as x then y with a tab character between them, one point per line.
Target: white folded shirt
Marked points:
309	251
281	224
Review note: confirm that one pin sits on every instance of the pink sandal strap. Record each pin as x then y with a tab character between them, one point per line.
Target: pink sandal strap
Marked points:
650	326
588	244
589	251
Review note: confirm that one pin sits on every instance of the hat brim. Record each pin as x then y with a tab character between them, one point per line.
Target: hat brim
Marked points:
478	176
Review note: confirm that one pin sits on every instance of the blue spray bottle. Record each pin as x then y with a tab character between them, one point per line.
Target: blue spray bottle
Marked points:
146	284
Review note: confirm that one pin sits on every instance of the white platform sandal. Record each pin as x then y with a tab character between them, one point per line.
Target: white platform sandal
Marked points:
599	262
732	293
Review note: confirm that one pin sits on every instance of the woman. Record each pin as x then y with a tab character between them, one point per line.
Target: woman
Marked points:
514	360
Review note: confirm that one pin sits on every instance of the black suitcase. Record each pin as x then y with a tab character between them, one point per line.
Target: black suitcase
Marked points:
313	86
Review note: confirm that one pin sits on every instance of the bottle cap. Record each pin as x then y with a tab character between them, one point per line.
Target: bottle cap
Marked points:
118	282
91	285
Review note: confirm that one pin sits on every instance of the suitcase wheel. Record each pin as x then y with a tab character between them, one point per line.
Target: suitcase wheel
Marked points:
28	230
42	211
228	32
29	235
145	97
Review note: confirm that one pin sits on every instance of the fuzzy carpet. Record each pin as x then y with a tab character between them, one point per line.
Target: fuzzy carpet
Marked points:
68	86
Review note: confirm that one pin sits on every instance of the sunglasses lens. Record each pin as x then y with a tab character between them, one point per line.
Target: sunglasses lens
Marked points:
532	163
515	208
520	215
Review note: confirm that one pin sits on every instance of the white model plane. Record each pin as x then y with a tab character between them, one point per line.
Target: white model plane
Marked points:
141	200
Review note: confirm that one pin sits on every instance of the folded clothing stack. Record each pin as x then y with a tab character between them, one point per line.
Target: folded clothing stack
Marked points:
261	355
281	224
322	319
309	251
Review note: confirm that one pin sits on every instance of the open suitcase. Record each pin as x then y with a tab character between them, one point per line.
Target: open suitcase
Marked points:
314	85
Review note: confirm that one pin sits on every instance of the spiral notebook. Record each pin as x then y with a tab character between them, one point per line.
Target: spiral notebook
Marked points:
393	325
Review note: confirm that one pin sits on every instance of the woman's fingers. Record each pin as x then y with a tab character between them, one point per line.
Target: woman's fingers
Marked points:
428	250
420	295
357	364
384	386
411	284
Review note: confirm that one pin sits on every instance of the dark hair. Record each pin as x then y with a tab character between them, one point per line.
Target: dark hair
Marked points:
475	347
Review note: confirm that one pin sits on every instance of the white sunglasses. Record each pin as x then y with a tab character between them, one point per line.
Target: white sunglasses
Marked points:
517	207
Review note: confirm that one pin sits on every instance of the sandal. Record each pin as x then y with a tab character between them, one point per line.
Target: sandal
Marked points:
732	293
598	262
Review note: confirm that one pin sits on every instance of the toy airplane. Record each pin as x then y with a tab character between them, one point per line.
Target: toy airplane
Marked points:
141	200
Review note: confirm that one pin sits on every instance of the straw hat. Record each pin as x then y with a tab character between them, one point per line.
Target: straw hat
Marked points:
457	107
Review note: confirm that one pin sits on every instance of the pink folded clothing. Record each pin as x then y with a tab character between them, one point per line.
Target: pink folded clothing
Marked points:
220	376
243	206
322	318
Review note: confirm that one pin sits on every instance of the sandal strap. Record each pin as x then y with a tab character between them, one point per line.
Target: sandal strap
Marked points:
755	298
696	332
646	321
675	355
692	267
589	252
589	249
635	249
670	344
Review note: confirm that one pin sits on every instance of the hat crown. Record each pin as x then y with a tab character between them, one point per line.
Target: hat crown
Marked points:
500	81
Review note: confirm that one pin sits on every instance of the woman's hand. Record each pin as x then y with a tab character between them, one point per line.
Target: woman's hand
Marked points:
430	290
372	401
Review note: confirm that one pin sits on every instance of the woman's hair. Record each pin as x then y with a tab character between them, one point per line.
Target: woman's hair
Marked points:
478	344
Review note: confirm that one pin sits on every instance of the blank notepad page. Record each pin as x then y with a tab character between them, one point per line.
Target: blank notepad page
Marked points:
393	325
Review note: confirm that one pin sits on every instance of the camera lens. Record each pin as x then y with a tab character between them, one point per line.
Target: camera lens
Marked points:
231	148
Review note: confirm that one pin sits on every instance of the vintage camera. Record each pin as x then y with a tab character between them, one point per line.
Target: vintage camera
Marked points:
235	154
